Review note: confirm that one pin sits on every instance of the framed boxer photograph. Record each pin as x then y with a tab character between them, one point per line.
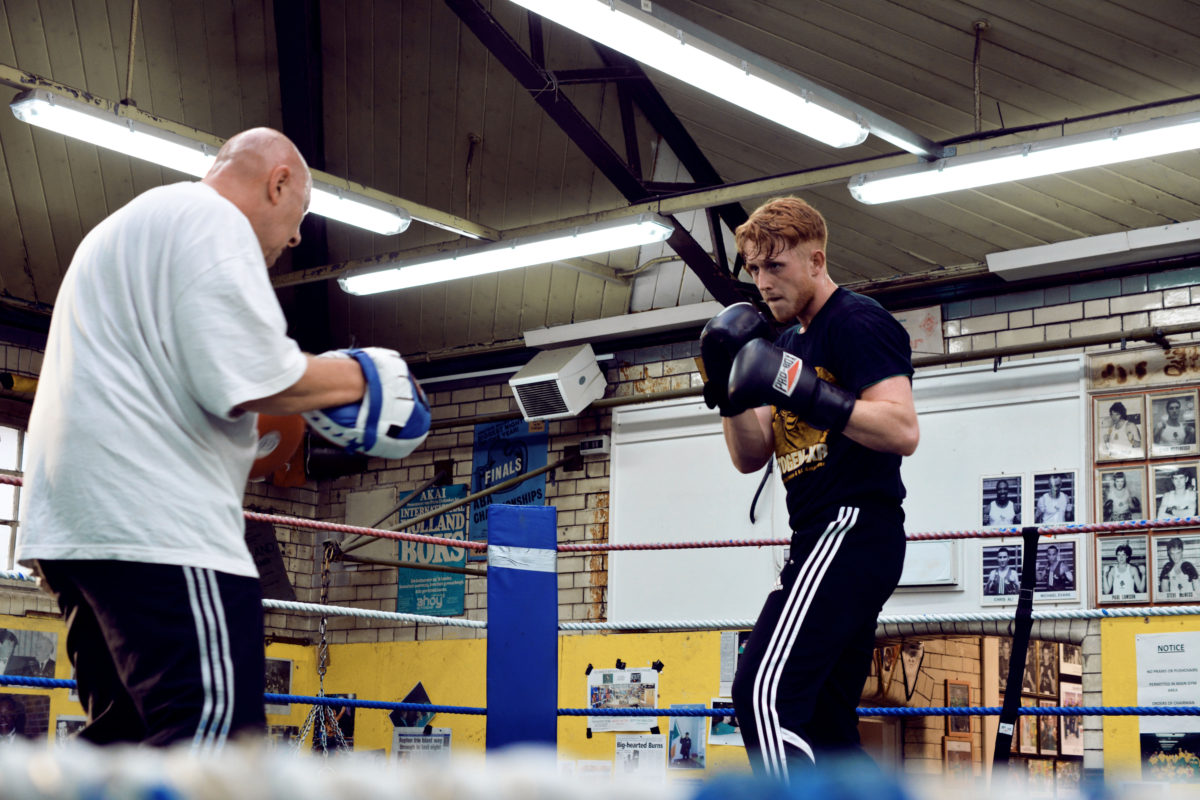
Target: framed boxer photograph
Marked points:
1173	424
958	695
1174	490
1047	670
1121	494
1175	576
1047	731
279	681
1001	506
1070	660
1123	569
1119	430
1070	741
1054	497
1057	570
1000	572
1027	724
956	756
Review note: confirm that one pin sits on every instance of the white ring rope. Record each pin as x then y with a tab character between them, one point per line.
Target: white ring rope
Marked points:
342	611
898	619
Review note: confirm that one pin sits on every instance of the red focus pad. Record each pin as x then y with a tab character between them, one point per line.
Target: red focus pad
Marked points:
278	440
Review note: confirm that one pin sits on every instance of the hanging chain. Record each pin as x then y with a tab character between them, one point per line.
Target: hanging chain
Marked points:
321	715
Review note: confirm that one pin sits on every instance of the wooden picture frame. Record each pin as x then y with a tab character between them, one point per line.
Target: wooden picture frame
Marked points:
1027	724
1172	430
1047	670
1121	494
958	695
1173	489
958	756
1123	569
1047	727
1119	433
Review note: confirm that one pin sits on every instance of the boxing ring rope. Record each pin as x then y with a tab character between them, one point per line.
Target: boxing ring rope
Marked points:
518	604
882	711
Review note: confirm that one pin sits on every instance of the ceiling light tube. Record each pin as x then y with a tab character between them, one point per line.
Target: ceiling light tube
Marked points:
1017	162
116	127
574	242
669	44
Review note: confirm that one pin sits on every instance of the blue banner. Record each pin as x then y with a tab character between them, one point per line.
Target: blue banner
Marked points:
504	450
422	591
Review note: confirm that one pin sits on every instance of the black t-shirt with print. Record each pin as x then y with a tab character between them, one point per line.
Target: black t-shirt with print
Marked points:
854	343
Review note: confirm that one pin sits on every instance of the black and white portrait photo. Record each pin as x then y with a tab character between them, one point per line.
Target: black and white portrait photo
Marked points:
1122	569
1121	494
1001	573
1176	560
1118	428
278	681
1056	571
28	652
1001	501
1173	424
1054	498
1175	490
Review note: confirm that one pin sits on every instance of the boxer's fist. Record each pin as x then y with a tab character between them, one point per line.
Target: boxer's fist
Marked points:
763	374
722	338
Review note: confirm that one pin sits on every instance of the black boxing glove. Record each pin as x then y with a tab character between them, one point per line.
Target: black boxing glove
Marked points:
763	374
722	338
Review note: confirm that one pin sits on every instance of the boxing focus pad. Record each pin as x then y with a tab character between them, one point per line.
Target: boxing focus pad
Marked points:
279	438
390	421
723	336
763	374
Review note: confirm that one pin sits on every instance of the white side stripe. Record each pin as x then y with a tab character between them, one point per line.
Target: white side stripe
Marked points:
216	666
225	659
206	677
766	684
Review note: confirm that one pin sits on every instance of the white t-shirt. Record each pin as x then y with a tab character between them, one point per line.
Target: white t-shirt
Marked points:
165	322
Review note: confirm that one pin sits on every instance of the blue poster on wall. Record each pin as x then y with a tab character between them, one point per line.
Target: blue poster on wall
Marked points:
504	450
422	591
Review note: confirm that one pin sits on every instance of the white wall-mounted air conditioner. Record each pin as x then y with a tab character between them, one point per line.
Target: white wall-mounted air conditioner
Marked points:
558	383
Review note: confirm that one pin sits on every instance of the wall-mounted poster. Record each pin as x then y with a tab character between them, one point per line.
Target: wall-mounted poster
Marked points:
28	652
1118	434
1001	501
1054	497
1001	565
1122	569
1047	731
1071	741
1070	659
279	681
1175	572
1047	672
1056	571
1175	490
1121	494
1173	424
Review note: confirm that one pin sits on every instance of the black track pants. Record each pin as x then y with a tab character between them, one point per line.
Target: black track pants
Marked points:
162	653
801	674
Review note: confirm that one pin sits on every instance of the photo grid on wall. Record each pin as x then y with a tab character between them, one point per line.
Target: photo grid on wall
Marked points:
1146	462
1048	746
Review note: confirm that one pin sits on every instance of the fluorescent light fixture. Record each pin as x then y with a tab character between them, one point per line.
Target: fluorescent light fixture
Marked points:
671	45
104	127
574	242
1147	139
1094	252
117	128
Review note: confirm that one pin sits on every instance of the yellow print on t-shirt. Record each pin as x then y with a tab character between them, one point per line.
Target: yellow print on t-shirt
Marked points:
799	447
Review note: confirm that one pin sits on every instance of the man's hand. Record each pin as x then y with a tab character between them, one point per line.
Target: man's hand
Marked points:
724	335
763	374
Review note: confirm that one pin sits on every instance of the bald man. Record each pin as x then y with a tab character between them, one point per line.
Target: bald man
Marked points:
166	339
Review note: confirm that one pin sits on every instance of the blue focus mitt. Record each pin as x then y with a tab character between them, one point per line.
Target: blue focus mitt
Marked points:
390	421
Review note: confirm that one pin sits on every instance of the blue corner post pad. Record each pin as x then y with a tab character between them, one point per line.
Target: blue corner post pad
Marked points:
522	641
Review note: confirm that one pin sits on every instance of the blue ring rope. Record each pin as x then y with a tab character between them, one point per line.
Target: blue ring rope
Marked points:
900	711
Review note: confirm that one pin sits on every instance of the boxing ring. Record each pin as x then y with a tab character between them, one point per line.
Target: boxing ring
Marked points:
522	639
